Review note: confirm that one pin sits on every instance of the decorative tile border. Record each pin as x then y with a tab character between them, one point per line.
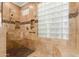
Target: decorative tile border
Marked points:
71	15
74	14
21	23
6	21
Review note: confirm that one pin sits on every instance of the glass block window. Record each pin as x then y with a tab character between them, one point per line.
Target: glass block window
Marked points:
53	20
24	12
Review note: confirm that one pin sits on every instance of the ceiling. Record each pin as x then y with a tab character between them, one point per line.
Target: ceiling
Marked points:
20	4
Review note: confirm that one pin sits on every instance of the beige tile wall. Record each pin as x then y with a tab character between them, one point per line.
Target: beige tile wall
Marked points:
2	41
74	38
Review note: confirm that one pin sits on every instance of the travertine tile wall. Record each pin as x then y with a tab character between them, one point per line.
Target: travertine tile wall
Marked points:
77	27
7	6
28	17
23	33
18	17
6	26
74	38
2	39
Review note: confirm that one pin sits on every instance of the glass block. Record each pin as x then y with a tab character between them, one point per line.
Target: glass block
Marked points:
53	19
